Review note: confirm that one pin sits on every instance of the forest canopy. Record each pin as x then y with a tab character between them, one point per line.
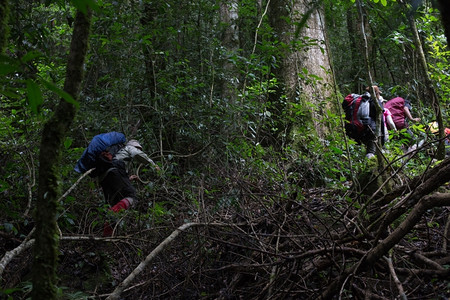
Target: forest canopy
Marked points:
258	190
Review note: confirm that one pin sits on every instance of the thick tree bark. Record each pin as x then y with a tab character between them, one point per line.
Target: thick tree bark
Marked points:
316	60
46	247
284	71
292	21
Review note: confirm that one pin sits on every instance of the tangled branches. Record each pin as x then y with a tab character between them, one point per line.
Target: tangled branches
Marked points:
313	244
315	247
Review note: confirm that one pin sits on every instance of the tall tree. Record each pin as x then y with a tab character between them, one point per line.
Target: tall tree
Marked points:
318	86
230	41
300	27
46	247
284	69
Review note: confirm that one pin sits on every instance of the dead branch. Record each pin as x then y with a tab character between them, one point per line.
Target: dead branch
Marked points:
27	243
426	261
435	178
446	234
124	284
428	202
75	184
395	277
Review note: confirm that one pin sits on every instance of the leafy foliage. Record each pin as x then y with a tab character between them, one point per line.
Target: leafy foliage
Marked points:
156	71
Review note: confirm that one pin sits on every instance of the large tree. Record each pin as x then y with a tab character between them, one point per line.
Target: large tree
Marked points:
55	130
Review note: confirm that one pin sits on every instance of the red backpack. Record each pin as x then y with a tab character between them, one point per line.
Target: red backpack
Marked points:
396	107
357	114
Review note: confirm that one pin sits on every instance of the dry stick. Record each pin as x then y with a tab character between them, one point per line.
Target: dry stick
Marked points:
428	202
394	276
428	262
9	255
446	235
255	42
28	242
31	171
75	184
124	284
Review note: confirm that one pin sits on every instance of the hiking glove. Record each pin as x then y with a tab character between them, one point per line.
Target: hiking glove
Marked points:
122	204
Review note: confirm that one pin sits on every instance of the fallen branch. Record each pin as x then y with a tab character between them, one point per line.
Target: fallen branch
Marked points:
124	284
9	255
28	242
428	202
397	282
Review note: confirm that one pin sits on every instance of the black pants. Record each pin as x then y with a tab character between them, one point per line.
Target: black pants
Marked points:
116	184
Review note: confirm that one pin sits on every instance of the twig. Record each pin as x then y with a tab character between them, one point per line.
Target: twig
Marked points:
75	184
446	234
428	262
28	242
124	284
31	171
394	276
9	255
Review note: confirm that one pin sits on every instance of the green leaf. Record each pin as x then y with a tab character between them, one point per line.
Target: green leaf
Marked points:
83	5
68	142
30	56
34	95
66	96
8	65
384	2
336	150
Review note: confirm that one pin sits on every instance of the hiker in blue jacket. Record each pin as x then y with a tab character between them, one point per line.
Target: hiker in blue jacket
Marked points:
114	177
111	155
115	180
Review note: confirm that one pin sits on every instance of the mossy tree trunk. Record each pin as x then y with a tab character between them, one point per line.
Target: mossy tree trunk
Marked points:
46	246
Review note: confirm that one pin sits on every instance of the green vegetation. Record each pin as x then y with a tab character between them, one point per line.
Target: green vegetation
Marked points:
239	145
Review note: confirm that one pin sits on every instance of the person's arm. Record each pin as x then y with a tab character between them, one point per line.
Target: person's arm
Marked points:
409	116
141	157
390	122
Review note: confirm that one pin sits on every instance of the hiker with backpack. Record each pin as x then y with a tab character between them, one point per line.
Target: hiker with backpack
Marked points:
401	114
387	120
114	177
360	125
110	156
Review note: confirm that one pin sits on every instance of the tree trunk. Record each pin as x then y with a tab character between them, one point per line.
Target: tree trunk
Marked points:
284	72
230	42
429	87
46	247
315	60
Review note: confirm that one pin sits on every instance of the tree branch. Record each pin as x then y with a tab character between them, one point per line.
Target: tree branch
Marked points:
428	202
124	284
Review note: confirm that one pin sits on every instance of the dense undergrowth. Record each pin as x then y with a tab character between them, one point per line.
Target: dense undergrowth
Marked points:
274	225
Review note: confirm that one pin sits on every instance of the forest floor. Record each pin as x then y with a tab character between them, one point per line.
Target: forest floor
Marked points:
290	249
